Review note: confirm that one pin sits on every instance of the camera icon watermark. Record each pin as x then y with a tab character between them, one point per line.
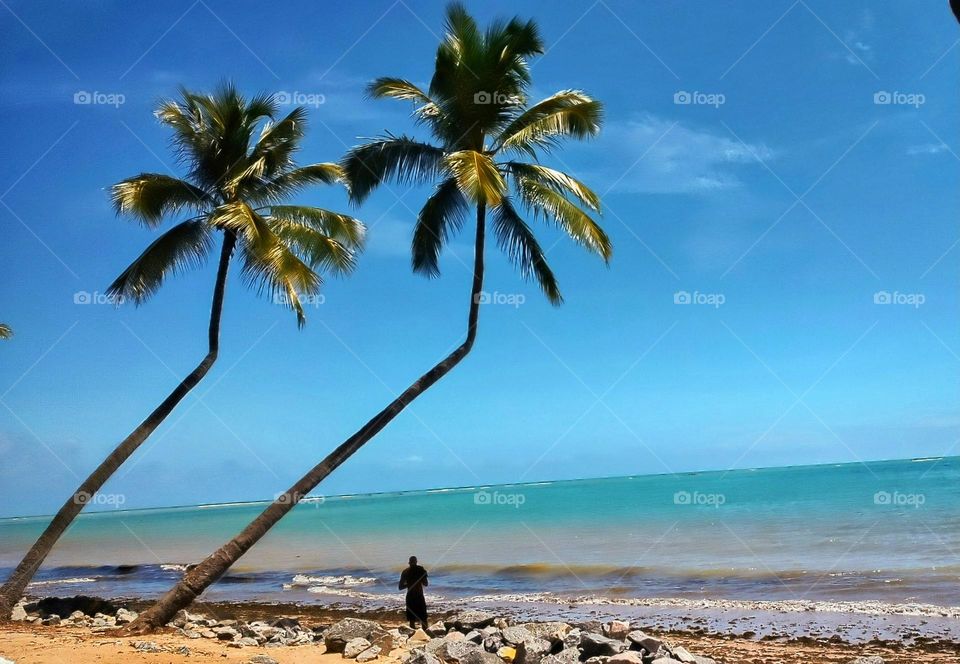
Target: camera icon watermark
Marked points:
697	98
715	300
899	499
115	500
896	98
914	300
95	98
485	98
499	498
696	498
297	98
96	297
515	300
286	498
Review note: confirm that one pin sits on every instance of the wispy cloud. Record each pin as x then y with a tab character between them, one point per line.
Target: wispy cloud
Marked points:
927	148
661	156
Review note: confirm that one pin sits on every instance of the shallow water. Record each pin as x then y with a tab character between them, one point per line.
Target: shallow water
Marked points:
885	531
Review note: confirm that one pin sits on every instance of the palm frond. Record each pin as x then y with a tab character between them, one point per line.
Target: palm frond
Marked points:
399	158
341	227
150	196
548	203
517	241
566	113
6	332
397	88
440	217
556	180
477	175
291	181
184	246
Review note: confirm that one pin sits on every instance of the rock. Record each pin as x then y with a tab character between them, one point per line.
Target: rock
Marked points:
124	616
183	650
420	656
77	616
626	657
369	654
663	652
664	660
493	643
565	656
4	660
506	653
474	636
208	634
594	645
262	659
146	646
868	659
190	634
599	659
64	606
479	656
437	629
683	655
553	631
248	641
419	636
340	633
52	619
354	647
532	650
19	613
455	650
455	636
572	639
473	620
226	633
293	623
616	629
406	630
515	635
645	641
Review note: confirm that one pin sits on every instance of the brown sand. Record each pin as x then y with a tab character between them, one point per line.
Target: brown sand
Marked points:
32	644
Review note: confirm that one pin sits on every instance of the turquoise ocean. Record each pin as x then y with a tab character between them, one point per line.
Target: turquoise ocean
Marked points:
880	531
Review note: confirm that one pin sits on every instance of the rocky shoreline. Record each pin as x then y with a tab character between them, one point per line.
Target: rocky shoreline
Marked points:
466	637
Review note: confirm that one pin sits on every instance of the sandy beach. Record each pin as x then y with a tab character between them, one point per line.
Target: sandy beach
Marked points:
26	643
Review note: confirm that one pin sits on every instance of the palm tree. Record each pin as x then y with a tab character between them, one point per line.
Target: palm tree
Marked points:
237	178
5	331
477	110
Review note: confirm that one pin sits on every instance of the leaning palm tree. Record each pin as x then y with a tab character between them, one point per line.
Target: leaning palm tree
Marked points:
240	157
5	331
477	111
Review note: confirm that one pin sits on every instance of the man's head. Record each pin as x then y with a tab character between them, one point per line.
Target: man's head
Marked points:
413	561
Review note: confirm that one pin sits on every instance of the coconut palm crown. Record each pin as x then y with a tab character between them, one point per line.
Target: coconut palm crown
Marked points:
240	159
477	110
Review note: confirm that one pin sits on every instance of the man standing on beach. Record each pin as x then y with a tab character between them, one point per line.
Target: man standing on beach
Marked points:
414	579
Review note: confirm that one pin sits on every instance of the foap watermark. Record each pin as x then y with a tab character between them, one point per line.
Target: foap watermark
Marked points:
897	98
96	297
306	300
298	98
499	498
697	98
896	297
287	497
699	499
714	300
514	300
483	97
899	499
95	98
111	499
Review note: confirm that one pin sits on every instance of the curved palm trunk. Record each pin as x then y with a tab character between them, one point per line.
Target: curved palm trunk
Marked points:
214	566
13	589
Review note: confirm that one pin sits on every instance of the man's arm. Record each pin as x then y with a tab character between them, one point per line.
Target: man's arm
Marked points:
403	580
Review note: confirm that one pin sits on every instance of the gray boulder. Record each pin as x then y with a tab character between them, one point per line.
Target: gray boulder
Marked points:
262	659
124	616
473	620
532	651
515	635
479	656
19	613
354	647
336	638
626	657
616	629
868	659
565	656
420	656
455	650
597	645
369	654
642	640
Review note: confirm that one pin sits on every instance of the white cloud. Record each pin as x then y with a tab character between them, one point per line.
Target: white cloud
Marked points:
927	148
660	156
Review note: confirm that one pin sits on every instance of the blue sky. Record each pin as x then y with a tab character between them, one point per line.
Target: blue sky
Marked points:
814	169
